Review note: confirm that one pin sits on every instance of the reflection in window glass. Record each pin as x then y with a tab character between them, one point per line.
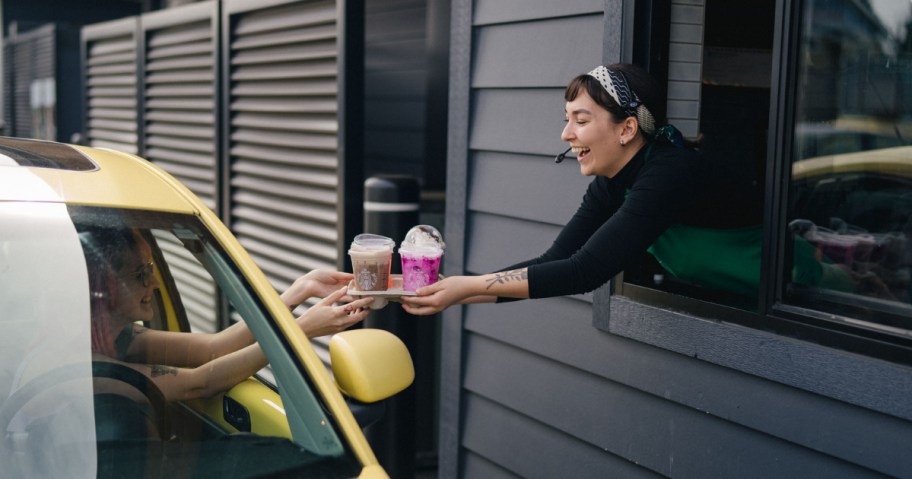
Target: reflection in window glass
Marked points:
850	203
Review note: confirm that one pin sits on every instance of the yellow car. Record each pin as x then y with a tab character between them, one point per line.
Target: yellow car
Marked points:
289	419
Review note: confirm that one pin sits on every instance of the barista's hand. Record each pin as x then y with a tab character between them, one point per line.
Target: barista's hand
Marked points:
436	297
325	318
319	283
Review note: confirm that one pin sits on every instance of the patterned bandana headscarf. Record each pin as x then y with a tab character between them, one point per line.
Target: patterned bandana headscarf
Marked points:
616	85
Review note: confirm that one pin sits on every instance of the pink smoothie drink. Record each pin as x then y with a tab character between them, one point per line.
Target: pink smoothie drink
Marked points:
420	266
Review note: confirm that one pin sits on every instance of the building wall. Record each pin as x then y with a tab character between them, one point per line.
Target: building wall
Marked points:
565	387
395	73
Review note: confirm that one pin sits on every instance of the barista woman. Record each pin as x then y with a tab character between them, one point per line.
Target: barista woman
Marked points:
645	181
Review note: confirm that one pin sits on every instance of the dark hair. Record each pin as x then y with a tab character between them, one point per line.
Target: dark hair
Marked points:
639	80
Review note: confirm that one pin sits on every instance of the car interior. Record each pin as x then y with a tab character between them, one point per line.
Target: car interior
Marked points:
199	283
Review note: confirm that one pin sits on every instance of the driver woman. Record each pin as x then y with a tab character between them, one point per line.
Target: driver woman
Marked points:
187	365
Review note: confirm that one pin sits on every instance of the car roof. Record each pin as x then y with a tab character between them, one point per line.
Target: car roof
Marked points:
43	171
895	161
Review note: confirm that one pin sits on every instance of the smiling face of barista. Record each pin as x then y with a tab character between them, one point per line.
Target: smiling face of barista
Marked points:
602	144
601	133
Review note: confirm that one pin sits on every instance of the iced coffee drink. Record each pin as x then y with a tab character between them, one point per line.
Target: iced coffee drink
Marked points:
370	256
420	251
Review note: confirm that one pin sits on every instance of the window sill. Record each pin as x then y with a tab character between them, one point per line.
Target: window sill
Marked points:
868	382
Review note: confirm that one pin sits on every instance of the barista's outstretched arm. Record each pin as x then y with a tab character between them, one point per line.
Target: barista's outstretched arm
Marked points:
467	289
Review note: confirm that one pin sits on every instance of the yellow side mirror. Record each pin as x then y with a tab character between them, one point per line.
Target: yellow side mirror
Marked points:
370	364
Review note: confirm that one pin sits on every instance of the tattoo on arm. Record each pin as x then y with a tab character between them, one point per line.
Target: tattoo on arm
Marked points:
159	370
507	276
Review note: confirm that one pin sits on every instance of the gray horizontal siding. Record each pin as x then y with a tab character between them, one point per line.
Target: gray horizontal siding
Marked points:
685	66
625	396
526	186
518	121
506	203
474	465
500	11
527	441
532	389
535	54
497	241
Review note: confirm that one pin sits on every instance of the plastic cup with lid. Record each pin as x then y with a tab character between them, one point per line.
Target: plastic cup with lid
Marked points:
421	251
371	256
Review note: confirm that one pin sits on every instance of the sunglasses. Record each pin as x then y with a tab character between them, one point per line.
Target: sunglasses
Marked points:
144	273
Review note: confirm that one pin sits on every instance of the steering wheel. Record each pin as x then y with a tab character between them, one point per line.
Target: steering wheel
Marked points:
158	405
157	413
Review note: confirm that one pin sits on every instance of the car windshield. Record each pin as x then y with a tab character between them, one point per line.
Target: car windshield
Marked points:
68	410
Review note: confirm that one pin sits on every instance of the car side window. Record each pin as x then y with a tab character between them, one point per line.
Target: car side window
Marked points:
197	285
195	291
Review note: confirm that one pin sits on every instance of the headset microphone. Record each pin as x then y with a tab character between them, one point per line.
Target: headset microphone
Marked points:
559	158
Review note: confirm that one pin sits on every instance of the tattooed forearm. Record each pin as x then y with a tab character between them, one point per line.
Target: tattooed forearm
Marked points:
507	276
159	370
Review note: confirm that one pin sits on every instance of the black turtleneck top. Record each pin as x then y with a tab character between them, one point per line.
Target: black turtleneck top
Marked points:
620	217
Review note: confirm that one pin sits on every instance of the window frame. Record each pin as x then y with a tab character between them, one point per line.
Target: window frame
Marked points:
773	314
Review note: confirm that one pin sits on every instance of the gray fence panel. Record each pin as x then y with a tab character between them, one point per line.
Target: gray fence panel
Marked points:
283	136
111	101
180	86
179	121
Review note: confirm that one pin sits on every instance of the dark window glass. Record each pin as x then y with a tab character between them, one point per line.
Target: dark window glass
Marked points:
850	197
719	97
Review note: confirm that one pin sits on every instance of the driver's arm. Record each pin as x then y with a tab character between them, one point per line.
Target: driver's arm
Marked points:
186	350
181	384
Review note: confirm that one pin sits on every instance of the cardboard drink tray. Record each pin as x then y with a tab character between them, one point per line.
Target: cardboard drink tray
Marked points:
395	290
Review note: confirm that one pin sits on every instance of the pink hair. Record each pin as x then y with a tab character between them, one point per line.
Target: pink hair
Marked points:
105	250
101	303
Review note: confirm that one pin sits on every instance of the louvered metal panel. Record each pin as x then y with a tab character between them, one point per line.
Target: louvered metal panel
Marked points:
34	60
109	54
180	125
283	132
180	88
